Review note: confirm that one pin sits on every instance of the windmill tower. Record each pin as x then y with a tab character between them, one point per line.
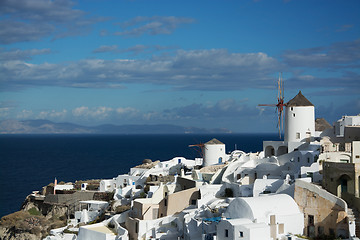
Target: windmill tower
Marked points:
299	123
299	119
213	152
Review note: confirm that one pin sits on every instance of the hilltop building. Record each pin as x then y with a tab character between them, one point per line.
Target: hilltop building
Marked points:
299	127
272	194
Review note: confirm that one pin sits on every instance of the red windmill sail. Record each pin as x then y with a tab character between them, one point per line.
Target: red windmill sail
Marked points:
280	104
200	148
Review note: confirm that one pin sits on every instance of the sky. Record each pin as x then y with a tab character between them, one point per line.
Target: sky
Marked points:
192	63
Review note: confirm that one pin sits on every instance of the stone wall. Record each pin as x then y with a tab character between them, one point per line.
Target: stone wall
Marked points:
324	213
68	198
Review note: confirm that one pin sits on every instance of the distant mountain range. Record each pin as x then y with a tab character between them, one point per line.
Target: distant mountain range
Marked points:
49	127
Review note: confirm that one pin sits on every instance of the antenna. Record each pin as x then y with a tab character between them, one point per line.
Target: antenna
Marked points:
280	104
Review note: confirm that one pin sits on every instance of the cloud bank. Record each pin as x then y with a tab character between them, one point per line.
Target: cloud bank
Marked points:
214	69
32	20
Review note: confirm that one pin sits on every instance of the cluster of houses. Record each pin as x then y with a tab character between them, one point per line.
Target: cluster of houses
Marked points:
306	185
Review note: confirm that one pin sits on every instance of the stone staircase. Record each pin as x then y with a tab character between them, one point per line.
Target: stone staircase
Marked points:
354	215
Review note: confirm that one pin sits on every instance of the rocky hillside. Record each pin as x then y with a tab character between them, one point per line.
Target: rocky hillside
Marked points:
34	221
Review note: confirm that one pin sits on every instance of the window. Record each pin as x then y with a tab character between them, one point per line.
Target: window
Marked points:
241	234
193	202
293	114
292	109
308	160
297	135
311	220
226	233
165	202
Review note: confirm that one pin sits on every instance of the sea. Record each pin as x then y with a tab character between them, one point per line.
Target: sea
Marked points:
29	162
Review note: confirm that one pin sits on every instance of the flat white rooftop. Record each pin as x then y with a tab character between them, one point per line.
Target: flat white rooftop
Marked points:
102	229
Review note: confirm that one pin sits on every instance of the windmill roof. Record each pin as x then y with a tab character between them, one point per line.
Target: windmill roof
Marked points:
321	124
299	100
214	141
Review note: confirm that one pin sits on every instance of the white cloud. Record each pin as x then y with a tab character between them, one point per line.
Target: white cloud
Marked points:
225	108
52	115
152	25
96	113
106	48
127	111
31	20
25	114
196	69
17	54
337	55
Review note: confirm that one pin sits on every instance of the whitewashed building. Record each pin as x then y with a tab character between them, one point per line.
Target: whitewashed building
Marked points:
299	127
272	215
89	210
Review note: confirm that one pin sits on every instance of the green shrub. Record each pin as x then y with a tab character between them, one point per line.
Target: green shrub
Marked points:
142	195
33	211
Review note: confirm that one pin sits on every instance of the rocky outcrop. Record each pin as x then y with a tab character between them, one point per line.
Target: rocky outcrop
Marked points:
28	225
46	210
33	221
16	234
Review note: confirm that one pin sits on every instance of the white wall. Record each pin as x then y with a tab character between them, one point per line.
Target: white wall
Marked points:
212	153
345	121
356	151
107	185
208	193
251	231
299	120
87	233
64	187
261	185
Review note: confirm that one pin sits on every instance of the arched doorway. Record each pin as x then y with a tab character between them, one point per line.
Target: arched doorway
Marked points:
342	184
269	151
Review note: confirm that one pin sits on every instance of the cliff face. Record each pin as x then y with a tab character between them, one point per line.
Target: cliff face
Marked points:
16	234
34	221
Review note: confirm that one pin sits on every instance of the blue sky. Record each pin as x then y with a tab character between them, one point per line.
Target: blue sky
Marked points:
190	63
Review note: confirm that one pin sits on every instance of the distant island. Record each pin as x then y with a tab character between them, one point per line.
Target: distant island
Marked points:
49	127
